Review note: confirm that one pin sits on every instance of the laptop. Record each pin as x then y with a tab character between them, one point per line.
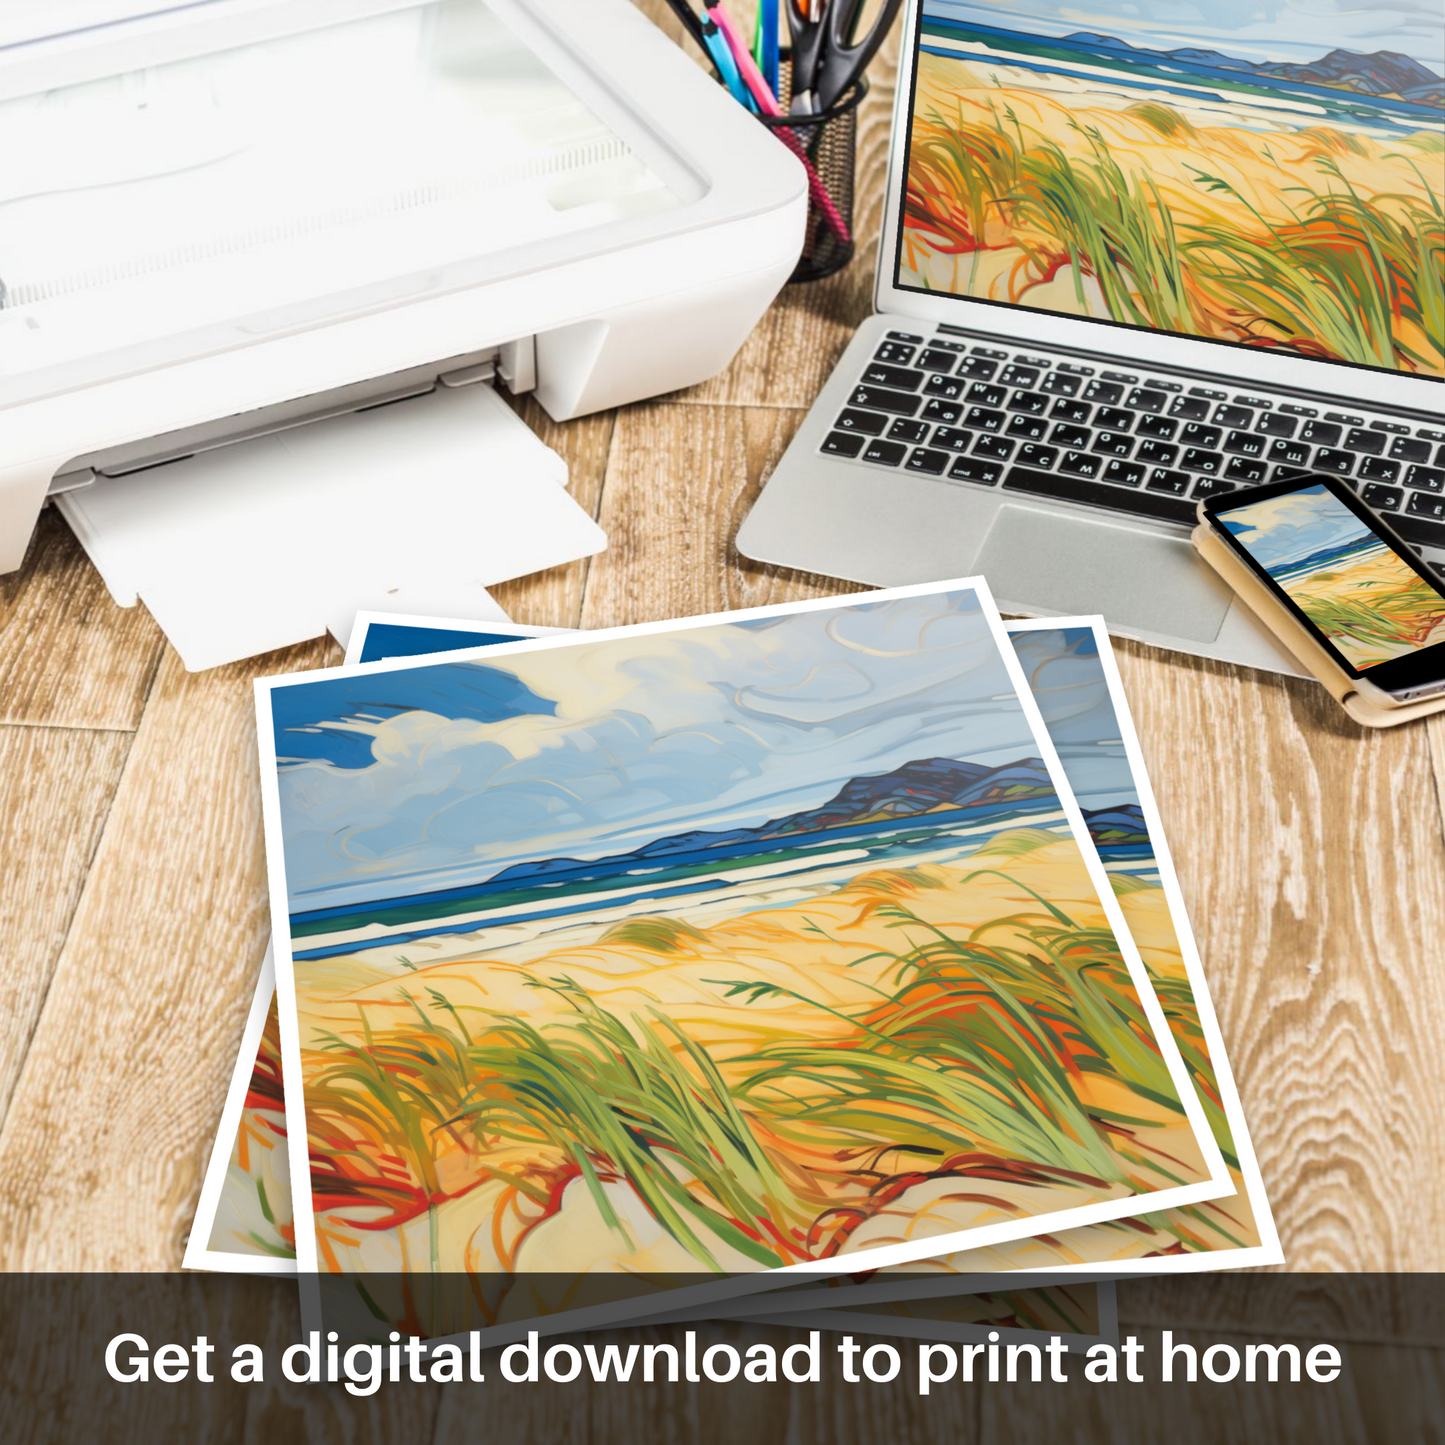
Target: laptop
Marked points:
1126	265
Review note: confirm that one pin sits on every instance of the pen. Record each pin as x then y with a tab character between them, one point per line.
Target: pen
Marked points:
765	42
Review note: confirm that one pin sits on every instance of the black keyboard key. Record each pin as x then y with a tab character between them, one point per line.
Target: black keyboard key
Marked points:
1422	505
1407	449
1321	433
1381	498
944	411
977	368
904	430
895	353
982	351
1430	434
877	398
1245	469
1196	459
959	347
1020	376
1124	474
843	444
1107	392
1426	479
1331	459
1030	428
1074	411
1160	427
1044	458
950	388
1377	469
1099	494
1368	443
886	454
1161	479
1070	436
1157	454
924	459
1418	530
973	469
1195	435
984	395
1189	408
996	449
1081	464
1059	383
1112	444
1233	416
905	336
1440	457
1290	474
1114	418
953	438
1210	487
1127	377
1143	399
1297	410
1245	444
877	374
1272	424
936	360
1035	403
982	419
867	422
1344	418
1290	454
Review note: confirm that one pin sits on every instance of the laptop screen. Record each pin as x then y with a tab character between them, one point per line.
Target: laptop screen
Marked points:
1268	174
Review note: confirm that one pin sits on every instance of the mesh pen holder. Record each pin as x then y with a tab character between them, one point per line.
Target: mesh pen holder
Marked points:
827	145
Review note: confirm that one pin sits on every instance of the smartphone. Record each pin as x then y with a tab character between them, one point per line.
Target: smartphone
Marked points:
1339	569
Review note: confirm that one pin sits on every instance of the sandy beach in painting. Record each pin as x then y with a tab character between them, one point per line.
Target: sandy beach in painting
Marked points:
772	1005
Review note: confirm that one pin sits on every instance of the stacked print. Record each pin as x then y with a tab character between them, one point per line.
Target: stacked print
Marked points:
728	950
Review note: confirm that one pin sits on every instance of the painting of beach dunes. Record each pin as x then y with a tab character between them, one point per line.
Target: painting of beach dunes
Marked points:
715	949
1361	594
253	1215
1274	178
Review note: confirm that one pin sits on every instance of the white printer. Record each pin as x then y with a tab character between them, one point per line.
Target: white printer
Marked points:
225	219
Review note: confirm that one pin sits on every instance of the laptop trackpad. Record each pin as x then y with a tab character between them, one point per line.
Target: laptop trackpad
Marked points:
1070	564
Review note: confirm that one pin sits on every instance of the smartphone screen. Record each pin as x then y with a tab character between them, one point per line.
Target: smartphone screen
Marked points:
1344	574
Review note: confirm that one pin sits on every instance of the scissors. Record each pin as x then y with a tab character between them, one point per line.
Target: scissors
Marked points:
828	55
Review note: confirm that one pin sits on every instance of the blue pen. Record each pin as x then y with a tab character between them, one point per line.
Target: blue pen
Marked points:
727	67
768	59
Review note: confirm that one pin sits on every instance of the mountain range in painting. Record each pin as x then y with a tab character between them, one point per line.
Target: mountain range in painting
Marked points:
1385	73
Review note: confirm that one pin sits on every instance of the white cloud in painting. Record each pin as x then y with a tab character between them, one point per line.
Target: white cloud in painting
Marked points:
715	727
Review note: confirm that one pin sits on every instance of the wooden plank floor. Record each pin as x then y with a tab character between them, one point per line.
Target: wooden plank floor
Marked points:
1312	853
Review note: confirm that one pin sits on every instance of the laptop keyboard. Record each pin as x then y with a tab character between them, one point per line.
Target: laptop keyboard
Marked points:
1141	444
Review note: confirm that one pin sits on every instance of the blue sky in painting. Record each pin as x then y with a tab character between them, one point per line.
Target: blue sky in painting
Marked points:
1281	530
1292	30
1068	683
630	739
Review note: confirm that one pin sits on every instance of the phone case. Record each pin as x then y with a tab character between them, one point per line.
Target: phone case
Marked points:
1340	685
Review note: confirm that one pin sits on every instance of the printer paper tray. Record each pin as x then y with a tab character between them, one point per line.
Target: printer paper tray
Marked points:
417	506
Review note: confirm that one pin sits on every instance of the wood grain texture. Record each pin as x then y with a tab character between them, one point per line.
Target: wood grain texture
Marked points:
69	657
1376	1401
56	787
679	482
1311	857
115	1108
708	1413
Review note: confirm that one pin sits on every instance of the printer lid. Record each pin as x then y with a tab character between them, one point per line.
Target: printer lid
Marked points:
182	178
